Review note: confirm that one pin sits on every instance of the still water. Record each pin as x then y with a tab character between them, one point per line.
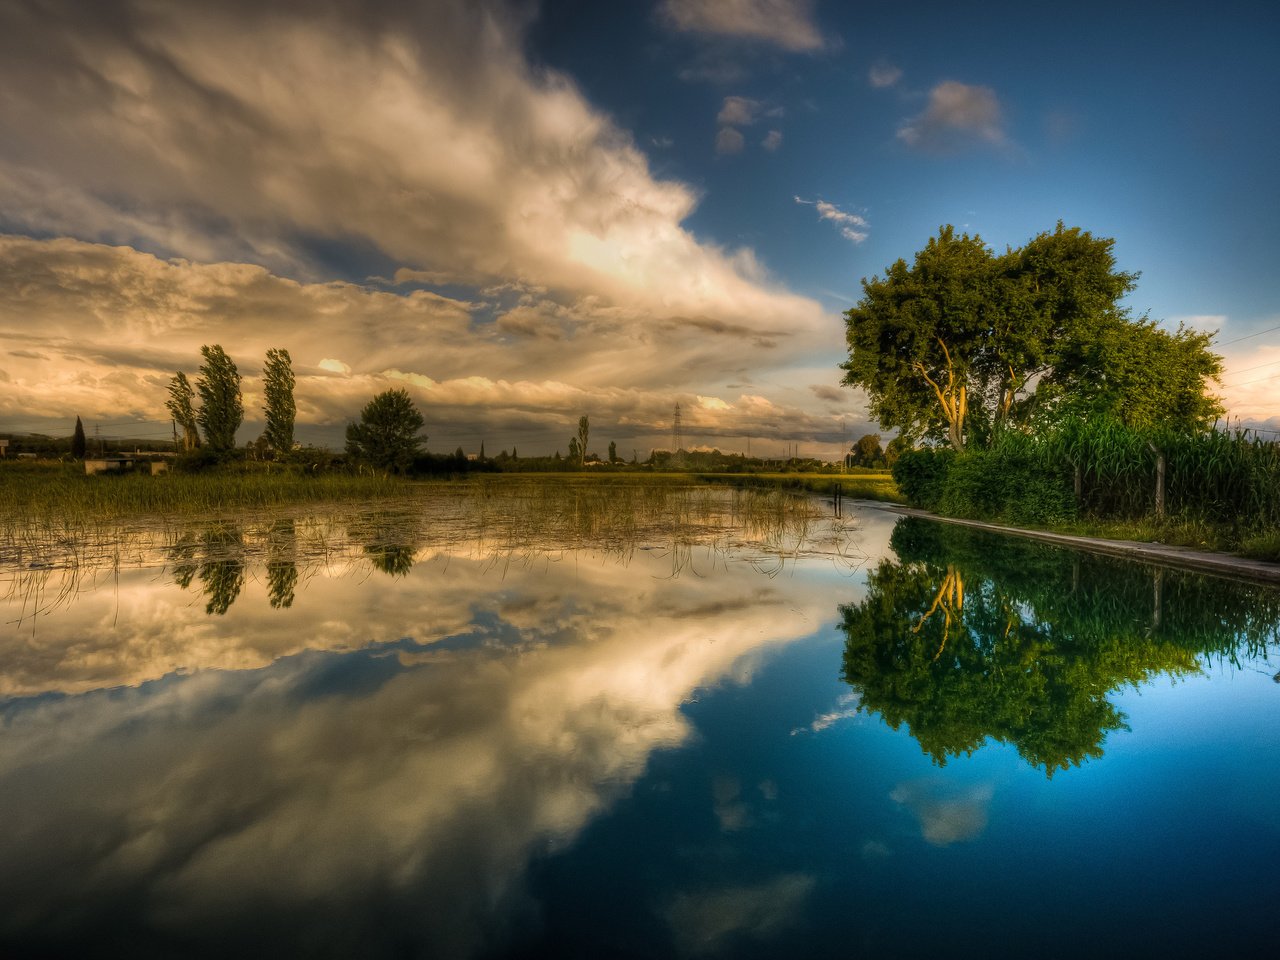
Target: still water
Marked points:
420	732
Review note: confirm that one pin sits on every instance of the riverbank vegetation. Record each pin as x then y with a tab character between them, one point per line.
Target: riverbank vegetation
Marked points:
1033	397
1216	489
33	489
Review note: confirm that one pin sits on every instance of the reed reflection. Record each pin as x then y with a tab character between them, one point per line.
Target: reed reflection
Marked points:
968	637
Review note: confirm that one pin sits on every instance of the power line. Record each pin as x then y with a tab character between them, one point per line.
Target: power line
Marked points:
1249	336
1256	366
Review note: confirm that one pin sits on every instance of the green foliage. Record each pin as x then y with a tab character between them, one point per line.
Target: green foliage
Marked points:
221	406
963	343
579	453
1016	481
78	441
280	409
867	452
971	637
181	408
921	475
1228	483
1138	375
196	460
386	437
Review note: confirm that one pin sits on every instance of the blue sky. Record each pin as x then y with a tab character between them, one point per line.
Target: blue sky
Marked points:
526	212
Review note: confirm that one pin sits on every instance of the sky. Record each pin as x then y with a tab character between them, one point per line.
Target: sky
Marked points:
524	212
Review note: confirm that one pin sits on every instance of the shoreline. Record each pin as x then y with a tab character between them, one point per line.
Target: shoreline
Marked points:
1218	564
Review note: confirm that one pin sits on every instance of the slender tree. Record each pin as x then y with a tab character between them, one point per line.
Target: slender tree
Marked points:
277	389
613	451
584	429
78	441
221	405
180	408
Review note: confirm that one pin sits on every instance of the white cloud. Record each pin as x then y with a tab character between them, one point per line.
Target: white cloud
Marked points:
884	75
729	140
703	920
852	226
772	140
957	114
947	814
738	112
785	23
439	147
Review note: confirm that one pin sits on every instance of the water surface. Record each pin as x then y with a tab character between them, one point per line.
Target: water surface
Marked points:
440	730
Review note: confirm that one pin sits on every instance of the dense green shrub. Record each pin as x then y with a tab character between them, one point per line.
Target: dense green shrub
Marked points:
921	475
1014	482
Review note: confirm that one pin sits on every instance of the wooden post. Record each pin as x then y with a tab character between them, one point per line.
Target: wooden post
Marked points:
1157	600
1159	480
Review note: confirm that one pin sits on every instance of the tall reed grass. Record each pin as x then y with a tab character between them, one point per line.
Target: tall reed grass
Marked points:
1225	483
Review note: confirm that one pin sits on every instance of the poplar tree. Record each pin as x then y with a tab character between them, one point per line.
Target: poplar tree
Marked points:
280	409
584	429
221	406
78	441
180	408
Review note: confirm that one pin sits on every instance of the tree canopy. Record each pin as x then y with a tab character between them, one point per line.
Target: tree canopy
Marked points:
387	435
280	409
221	406
78	442
182	409
964	341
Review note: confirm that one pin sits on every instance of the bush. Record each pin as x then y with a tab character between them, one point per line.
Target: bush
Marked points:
197	460
921	475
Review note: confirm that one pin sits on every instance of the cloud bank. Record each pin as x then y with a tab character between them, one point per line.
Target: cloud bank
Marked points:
209	160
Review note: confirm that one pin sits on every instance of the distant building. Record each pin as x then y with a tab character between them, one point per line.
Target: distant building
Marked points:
95	465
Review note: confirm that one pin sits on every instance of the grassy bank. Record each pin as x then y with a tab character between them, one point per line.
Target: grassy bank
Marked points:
45	489
1218	490
862	485
36	490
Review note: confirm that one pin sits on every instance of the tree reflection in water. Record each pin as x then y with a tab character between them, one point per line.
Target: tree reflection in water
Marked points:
386	542
971	636
282	564
217	557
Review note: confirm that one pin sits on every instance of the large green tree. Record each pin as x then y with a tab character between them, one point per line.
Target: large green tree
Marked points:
221	404
182	409
387	435
279	407
964	341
